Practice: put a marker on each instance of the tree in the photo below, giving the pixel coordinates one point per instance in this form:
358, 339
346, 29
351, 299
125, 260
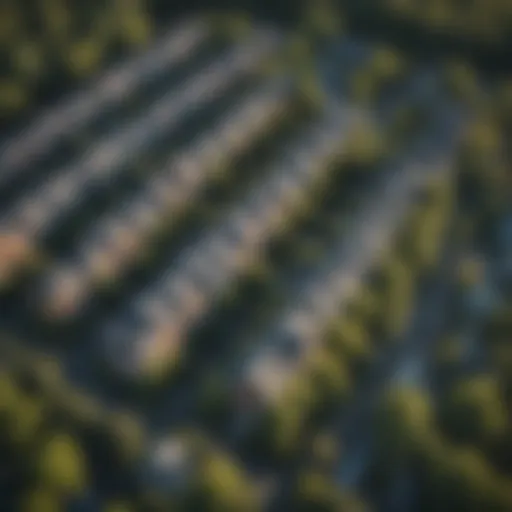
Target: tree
462, 82
235, 25
117, 506
498, 326
504, 102
126, 436
62, 465
364, 307
56, 21
387, 65
349, 340
322, 19
366, 145
83, 57
407, 120
501, 357
289, 419
135, 26
28, 59
220, 486
363, 87
471, 272
81, 411
331, 379
423, 243
310, 251
9, 396
26, 421
285, 433
470, 277
14, 97
449, 357
315, 492
299, 52
41, 376
474, 410
439, 15
405, 421
310, 88
462, 480
398, 293
484, 180
482, 139
350, 502
325, 451
214, 400
41, 500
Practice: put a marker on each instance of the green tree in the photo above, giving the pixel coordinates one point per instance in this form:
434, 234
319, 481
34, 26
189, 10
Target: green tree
501, 454
387, 65
62, 465
28, 59
126, 436
449, 357
398, 294
83, 57
474, 410
366, 145
461, 479
287, 431
322, 19
504, 102
283, 424
26, 421
325, 451
425, 232
236, 25
501, 357
364, 307
462, 82
81, 411
299, 52
56, 20
117, 506
405, 421
423, 243
214, 400
349, 340
498, 326
310, 88
350, 502
41, 500
330, 377
407, 120
40, 376
363, 87
9, 396
482, 139
310, 251
14, 96
315, 492
135, 26
471, 272
221, 485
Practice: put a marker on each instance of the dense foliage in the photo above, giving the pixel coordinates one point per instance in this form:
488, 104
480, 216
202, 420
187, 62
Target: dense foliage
230, 290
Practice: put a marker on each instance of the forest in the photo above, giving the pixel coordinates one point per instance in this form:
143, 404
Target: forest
256, 256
